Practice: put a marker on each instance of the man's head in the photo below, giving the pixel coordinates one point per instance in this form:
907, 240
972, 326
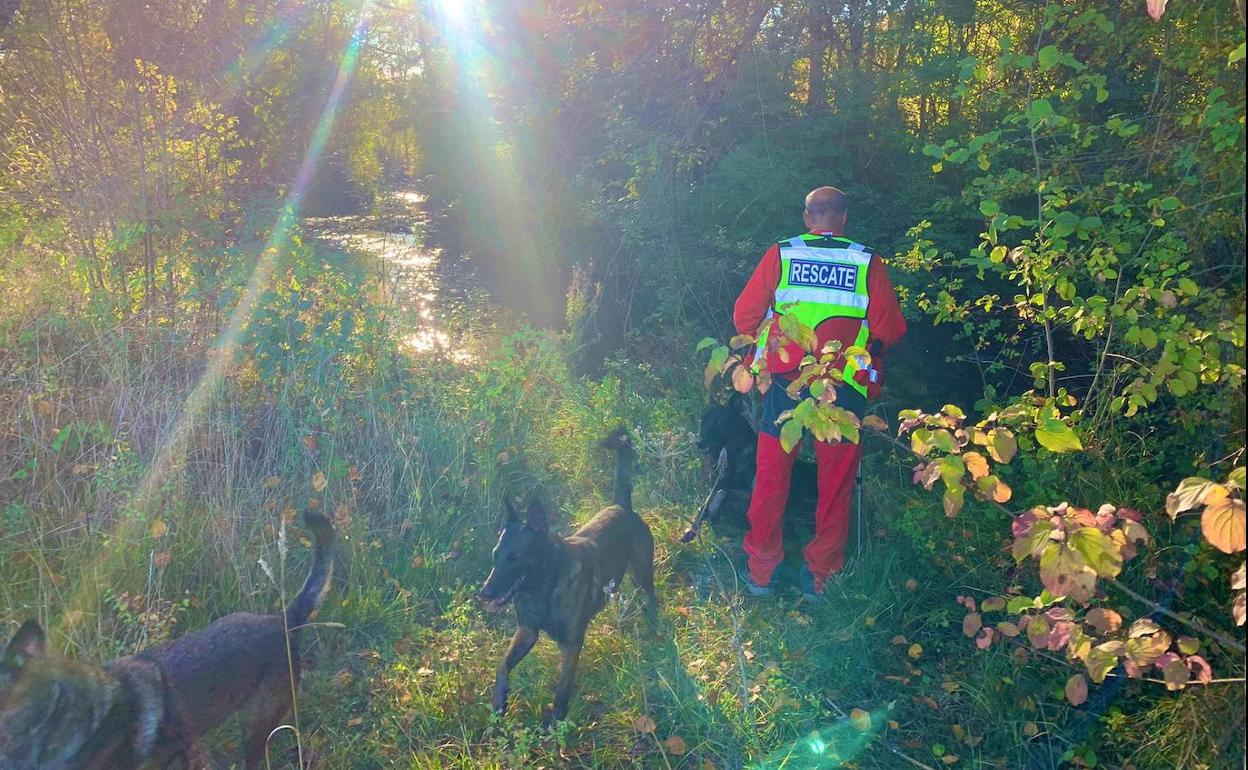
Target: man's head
826, 209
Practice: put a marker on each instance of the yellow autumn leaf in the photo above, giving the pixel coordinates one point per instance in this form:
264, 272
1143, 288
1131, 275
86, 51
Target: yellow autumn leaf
158, 529
915, 651
319, 482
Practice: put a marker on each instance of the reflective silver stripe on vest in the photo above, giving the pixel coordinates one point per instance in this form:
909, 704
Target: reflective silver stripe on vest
822, 296
852, 256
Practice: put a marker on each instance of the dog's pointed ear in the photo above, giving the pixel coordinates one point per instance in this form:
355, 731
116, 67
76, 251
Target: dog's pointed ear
510, 515
29, 642
536, 517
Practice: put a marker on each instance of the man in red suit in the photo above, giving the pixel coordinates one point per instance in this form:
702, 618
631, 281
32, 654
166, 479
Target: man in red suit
842, 290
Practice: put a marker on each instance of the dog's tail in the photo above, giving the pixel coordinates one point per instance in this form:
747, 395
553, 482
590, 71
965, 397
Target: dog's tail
621, 443
305, 605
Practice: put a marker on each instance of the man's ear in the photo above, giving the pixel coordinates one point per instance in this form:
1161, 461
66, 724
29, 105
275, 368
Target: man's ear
536, 516
29, 642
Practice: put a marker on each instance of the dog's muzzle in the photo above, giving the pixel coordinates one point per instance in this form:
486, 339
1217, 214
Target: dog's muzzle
496, 604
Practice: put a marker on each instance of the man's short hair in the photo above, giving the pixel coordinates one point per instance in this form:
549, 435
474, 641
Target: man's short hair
822, 201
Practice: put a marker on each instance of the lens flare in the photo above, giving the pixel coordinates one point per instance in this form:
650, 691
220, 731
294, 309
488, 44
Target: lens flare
169, 456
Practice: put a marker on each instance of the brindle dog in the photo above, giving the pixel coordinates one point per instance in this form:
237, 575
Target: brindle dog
150, 709
558, 584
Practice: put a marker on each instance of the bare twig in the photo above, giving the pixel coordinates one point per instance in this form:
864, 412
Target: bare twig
1193, 623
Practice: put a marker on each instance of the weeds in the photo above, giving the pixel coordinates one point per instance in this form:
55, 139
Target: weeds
411, 457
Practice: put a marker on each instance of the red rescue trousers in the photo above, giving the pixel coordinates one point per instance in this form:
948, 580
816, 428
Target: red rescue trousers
825, 554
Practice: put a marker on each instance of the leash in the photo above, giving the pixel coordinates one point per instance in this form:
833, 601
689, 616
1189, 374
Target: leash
695, 527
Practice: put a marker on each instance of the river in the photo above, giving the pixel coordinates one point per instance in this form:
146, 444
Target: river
443, 311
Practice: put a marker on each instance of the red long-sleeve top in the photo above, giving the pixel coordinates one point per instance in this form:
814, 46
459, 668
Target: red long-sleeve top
885, 322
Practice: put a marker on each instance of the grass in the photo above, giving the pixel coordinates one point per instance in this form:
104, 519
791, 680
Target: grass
412, 457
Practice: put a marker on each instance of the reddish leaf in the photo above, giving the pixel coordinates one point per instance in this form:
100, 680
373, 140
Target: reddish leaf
763, 381
1059, 635
1200, 669
983, 640
1103, 620
993, 604
1060, 565
1175, 672
742, 380
971, 624
1077, 690
1156, 8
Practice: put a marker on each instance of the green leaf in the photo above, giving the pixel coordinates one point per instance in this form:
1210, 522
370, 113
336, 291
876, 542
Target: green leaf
1065, 223
719, 357
952, 469
1189, 494
790, 434
943, 440
1031, 543
1168, 203
1056, 436
1100, 552
1020, 604
1188, 287
1048, 57
1236, 55
989, 208
1038, 110
1237, 477
705, 343
1002, 445
1148, 338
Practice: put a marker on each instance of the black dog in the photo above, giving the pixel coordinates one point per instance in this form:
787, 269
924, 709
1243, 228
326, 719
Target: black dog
558, 584
725, 432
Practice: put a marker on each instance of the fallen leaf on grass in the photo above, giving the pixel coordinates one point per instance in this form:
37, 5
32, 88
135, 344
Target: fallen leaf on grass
676, 745
860, 719
644, 725
915, 651
1076, 690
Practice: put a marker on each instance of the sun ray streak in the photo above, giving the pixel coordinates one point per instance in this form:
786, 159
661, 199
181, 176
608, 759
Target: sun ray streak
172, 451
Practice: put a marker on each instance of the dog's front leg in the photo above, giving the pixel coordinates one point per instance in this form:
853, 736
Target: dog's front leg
521, 643
567, 679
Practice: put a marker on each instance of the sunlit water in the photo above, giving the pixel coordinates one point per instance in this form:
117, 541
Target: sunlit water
441, 311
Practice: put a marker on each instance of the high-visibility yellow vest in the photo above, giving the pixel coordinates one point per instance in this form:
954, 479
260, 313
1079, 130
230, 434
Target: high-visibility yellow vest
822, 277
